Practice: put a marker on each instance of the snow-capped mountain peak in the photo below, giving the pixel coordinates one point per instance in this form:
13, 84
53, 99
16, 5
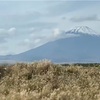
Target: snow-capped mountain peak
82, 30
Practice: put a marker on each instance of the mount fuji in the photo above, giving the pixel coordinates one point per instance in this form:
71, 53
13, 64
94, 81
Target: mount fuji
83, 47
83, 30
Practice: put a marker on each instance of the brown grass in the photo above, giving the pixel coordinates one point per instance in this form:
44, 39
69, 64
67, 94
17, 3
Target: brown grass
47, 81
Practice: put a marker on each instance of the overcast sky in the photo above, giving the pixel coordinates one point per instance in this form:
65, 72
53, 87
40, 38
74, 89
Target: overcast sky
27, 24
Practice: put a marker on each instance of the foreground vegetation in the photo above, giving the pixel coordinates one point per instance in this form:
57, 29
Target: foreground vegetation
47, 81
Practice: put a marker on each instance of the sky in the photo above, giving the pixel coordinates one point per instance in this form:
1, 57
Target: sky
28, 24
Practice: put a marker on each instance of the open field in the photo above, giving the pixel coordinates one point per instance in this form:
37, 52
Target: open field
47, 81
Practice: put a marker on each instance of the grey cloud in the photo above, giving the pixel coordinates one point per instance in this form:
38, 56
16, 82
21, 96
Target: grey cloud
4, 50
40, 25
85, 18
27, 24
64, 7
2, 40
57, 9
5, 34
29, 43
28, 15
18, 19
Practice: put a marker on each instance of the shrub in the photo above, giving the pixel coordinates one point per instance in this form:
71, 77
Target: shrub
44, 80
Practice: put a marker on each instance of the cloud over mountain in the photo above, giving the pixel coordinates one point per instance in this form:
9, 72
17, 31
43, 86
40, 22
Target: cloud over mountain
85, 18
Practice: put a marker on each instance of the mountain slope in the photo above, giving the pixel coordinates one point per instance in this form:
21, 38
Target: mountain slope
84, 48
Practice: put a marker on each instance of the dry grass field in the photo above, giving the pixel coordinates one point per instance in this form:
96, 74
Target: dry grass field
47, 81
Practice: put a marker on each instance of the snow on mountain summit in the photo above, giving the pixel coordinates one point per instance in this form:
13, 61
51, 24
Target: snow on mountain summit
82, 30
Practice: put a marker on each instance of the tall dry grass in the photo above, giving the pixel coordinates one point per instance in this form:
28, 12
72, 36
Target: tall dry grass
47, 81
